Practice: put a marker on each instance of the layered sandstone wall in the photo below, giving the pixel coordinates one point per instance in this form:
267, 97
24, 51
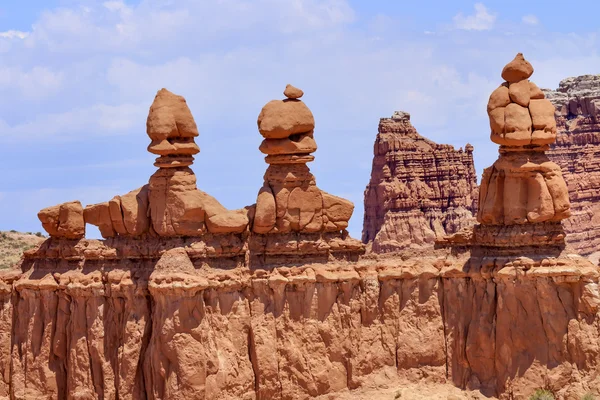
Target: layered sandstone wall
83, 321
577, 102
419, 190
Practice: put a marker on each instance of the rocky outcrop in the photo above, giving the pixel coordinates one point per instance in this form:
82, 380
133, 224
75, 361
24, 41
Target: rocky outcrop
290, 200
174, 304
523, 186
161, 320
419, 190
577, 102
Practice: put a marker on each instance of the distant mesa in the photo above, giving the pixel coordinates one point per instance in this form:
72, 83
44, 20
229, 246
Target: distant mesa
419, 190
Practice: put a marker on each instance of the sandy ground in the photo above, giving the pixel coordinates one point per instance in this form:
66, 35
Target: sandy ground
13, 244
421, 391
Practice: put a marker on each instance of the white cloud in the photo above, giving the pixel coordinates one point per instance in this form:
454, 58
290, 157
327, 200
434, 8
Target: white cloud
37, 83
12, 34
482, 20
77, 123
530, 19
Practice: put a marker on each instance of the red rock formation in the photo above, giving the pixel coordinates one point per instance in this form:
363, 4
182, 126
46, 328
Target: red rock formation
419, 190
577, 102
523, 186
290, 200
160, 319
291, 313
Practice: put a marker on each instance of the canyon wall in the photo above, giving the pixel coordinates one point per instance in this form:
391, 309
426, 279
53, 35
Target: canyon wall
577, 151
419, 190
121, 319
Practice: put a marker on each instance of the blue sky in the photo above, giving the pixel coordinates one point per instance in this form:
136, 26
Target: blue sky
77, 79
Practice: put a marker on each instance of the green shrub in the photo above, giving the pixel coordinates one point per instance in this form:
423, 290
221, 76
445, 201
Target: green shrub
542, 394
39, 234
13, 231
588, 396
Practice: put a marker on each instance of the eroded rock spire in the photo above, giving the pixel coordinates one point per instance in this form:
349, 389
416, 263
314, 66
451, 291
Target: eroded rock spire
523, 186
290, 201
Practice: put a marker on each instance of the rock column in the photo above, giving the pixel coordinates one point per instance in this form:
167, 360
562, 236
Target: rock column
523, 186
290, 201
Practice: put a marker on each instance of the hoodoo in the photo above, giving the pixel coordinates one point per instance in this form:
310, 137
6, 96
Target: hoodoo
523, 186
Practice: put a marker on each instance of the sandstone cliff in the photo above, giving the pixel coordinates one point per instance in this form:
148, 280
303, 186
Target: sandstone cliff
126, 319
577, 102
419, 190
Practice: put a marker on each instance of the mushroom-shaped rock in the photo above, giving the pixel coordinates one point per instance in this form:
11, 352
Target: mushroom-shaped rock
523, 186
517, 70
64, 220
279, 119
172, 128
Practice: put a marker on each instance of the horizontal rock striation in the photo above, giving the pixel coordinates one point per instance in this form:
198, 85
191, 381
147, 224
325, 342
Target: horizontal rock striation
172, 324
419, 190
577, 102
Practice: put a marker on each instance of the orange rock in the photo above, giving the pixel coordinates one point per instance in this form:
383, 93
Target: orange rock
99, 215
134, 207
542, 115
292, 92
116, 215
281, 118
519, 93
535, 92
337, 210
234, 221
304, 207
517, 70
517, 125
172, 128
539, 201
298, 144
64, 220
266, 212
496, 117
499, 98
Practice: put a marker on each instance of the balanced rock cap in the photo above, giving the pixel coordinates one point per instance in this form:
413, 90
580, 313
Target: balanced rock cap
292, 92
517, 70
170, 116
279, 119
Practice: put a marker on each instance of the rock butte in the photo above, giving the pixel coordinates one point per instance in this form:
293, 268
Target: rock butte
180, 304
419, 190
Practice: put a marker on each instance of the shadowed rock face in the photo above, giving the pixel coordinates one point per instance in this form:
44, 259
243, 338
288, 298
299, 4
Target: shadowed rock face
419, 190
577, 102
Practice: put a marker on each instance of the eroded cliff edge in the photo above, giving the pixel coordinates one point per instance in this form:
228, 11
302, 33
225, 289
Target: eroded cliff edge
97, 321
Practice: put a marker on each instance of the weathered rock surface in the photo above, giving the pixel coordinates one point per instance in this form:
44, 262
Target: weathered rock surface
577, 102
64, 220
419, 190
523, 186
163, 320
519, 114
290, 200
